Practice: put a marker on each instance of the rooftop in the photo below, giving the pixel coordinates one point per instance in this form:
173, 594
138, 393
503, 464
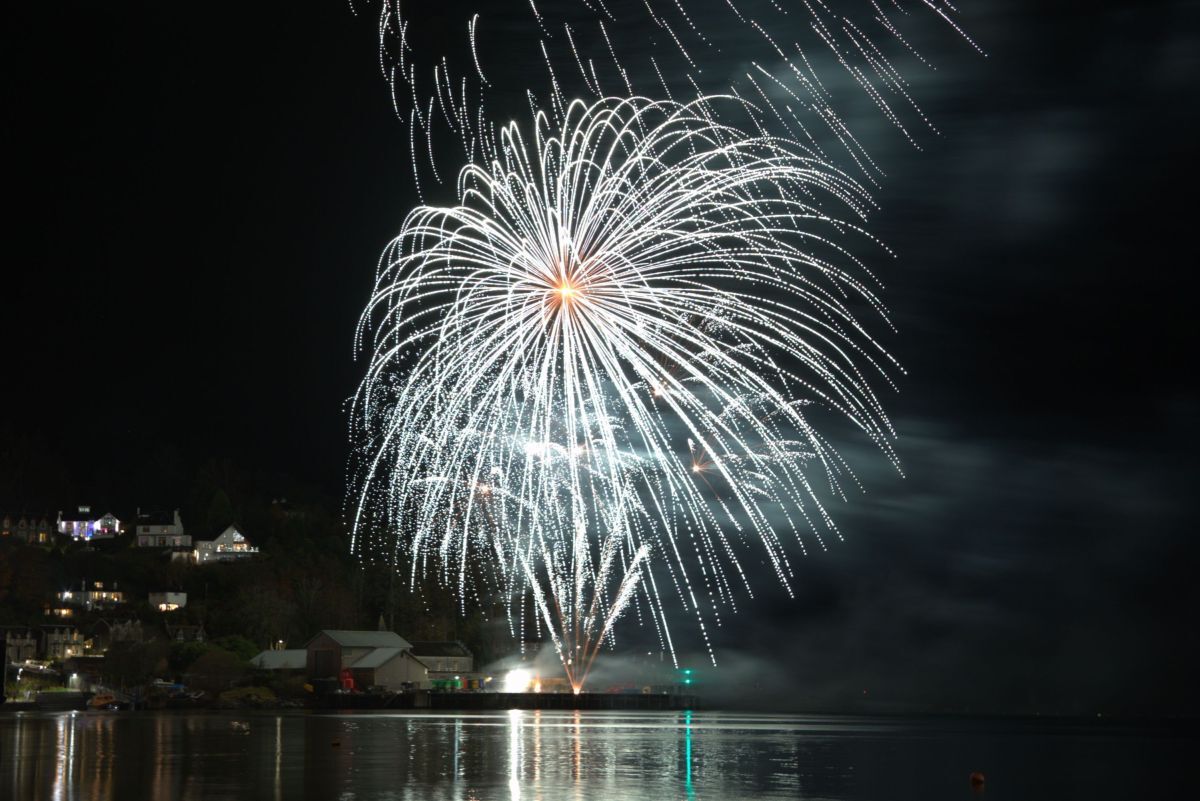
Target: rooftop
83, 514
440, 648
156, 518
365, 639
378, 658
291, 659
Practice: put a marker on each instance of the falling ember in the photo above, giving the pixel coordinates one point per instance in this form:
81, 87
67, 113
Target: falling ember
790, 66
660, 433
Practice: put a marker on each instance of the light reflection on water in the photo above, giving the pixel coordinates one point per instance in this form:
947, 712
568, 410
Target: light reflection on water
549, 756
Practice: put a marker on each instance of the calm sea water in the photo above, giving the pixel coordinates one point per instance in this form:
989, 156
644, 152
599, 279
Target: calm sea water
592, 755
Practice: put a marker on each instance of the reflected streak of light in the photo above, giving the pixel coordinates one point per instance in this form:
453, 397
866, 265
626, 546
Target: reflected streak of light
64, 753
577, 748
687, 753
278, 759
514, 753
457, 771
537, 747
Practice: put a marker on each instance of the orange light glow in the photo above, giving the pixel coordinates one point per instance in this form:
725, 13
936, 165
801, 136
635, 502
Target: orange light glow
566, 290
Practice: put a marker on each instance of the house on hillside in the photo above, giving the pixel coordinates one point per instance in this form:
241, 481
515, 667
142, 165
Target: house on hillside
83, 524
20, 645
370, 658
164, 530
30, 529
185, 633
226, 547
62, 642
167, 601
106, 633
91, 595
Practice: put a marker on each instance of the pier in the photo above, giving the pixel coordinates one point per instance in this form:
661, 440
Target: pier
423, 699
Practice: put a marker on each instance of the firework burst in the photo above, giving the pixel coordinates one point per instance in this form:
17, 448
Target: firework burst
596, 380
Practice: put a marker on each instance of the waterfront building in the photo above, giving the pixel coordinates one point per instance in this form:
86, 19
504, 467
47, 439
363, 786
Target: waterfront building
287, 661
448, 657
370, 658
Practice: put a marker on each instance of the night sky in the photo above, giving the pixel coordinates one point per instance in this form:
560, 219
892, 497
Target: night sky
198, 196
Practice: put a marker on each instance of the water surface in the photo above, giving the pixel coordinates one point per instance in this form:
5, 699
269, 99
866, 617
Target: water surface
531, 756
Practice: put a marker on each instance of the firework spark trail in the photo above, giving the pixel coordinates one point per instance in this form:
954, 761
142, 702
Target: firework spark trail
619, 332
862, 39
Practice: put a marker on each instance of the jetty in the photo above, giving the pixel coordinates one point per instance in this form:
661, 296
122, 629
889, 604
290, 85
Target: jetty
463, 702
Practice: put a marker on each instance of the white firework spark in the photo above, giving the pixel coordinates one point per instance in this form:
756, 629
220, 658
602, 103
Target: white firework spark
793, 60
592, 382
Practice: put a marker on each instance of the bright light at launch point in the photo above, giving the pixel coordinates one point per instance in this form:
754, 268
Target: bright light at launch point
517, 681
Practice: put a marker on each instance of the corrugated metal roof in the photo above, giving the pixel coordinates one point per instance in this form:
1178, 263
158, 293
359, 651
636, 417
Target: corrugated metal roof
441, 648
366, 639
155, 518
291, 659
378, 658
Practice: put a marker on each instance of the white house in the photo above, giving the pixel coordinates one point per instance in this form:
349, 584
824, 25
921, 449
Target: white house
161, 530
226, 547
168, 601
83, 524
20, 646
96, 596
62, 643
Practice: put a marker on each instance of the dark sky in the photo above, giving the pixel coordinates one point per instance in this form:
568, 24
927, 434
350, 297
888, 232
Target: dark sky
198, 195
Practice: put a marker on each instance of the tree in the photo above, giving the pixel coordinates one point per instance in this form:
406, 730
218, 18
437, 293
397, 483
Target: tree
216, 671
185, 654
265, 609
128, 664
220, 513
25, 578
238, 645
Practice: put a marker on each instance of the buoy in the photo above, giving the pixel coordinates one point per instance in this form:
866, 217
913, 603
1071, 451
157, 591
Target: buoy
977, 779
